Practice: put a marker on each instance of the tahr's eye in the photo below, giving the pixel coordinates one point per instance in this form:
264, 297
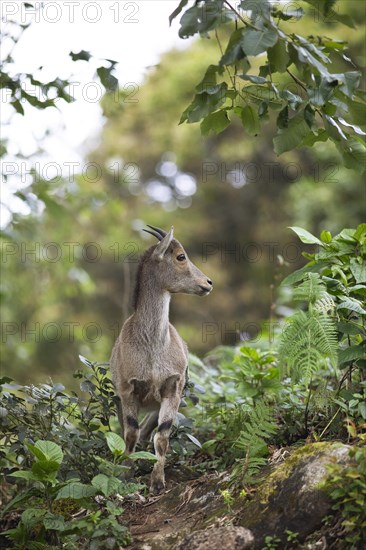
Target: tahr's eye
181, 257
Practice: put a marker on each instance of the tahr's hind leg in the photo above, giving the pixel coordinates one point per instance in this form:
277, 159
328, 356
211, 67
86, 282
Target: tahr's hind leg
119, 413
131, 430
147, 426
168, 411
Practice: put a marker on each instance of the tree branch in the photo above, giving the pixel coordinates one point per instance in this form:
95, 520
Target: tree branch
299, 82
246, 23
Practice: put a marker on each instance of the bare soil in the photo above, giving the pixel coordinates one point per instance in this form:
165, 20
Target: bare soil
187, 504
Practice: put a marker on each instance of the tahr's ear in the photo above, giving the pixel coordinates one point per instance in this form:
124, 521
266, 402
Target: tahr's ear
163, 246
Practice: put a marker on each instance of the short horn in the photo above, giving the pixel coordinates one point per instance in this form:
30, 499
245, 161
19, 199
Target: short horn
158, 230
154, 233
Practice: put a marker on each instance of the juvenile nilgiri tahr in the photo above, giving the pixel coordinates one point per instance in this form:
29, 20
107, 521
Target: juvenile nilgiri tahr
149, 359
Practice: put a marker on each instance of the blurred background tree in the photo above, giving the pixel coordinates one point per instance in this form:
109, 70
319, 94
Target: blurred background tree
229, 197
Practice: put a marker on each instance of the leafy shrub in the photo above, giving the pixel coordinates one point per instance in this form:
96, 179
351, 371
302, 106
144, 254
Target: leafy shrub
312, 378
333, 329
334, 281
347, 490
64, 458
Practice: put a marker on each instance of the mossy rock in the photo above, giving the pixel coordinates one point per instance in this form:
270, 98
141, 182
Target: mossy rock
292, 498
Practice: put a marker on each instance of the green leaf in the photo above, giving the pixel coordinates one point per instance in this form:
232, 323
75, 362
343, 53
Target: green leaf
87, 386
305, 236
358, 289
45, 469
189, 22
278, 56
352, 305
86, 361
313, 138
177, 10
115, 443
250, 120
349, 82
291, 137
17, 106
282, 119
255, 79
76, 491
349, 328
326, 237
360, 232
302, 56
202, 18
259, 8
320, 94
35, 102
262, 94
255, 42
328, 4
250, 352
299, 274
25, 474
50, 450
54, 522
334, 130
351, 354
294, 101
32, 516
143, 455
110, 469
109, 81
344, 18
107, 485
296, 13
358, 269
209, 81
7, 380
358, 112
36, 451
82, 55
355, 128
20, 497
205, 103
332, 15
353, 151
234, 51
215, 123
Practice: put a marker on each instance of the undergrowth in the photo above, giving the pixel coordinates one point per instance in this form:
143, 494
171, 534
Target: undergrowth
62, 462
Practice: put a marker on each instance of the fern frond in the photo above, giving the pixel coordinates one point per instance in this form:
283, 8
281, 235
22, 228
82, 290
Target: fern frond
325, 305
259, 427
324, 332
310, 290
306, 342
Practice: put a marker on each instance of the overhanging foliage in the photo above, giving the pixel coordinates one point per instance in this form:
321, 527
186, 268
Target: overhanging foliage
326, 104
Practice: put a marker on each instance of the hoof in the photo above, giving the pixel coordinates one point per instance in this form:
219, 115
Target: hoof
157, 487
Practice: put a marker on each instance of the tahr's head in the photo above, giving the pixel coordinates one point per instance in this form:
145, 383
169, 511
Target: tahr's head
172, 268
